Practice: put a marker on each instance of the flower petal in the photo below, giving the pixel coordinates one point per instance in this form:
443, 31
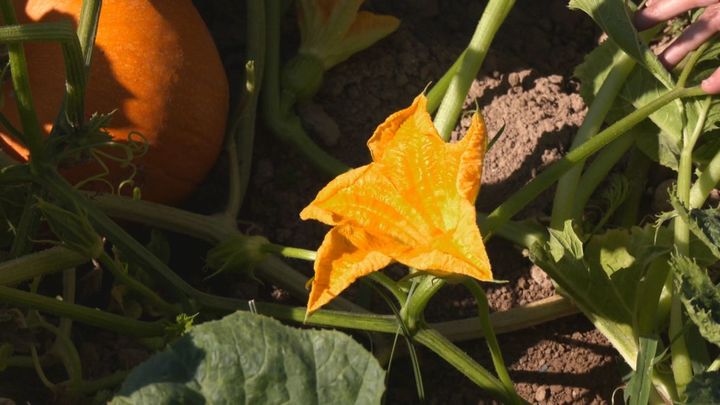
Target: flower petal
386, 131
340, 262
316, 210
460, 252
473, 146
366, 29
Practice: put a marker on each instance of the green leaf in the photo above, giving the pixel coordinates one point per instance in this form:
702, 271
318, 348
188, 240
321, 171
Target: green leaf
704, 225
614, 18
592, 290
252, 359
640, 384
699, 296
595, 68
659, 137
565, 241
704, 389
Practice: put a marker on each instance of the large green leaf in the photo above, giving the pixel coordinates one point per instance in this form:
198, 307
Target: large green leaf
614, 18
590, 287
658, 137
252, 359
699, 295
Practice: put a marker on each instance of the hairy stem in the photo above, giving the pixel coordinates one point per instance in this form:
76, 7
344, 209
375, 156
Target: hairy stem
451, 105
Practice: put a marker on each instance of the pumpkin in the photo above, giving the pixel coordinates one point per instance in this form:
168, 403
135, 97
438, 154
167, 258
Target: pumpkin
156, 64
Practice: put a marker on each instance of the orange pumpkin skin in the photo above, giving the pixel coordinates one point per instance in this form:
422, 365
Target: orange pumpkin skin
155, 62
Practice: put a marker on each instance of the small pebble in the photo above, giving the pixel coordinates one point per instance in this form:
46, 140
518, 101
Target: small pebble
541, 394
514, 79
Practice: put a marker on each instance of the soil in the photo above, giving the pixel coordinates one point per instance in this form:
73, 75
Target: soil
526, 86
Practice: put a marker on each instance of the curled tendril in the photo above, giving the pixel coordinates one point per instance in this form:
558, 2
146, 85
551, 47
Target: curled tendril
135, 147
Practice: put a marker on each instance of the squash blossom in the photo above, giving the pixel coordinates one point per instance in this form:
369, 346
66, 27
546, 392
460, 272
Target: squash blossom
414, 204
330, 32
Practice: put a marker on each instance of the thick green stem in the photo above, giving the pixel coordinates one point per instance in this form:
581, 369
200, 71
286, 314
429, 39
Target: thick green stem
436, 93
434, 341
87, 29
708, 179
564, 203
598, 170
525, 195
64, 33
44, 262
122, 277
681, 362
511, 320
241, 137
32, 133
451, 106
90, 316
412, 310
524, 234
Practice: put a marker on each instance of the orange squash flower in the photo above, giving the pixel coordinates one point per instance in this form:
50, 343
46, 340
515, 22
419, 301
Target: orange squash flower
414, 204
333, 30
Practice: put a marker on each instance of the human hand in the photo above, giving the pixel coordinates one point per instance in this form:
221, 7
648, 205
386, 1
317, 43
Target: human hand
707, 25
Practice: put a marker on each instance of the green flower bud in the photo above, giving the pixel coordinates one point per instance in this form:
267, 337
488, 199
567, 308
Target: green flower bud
302, 76
239, 253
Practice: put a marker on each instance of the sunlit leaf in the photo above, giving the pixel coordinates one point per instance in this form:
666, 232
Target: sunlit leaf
613, 17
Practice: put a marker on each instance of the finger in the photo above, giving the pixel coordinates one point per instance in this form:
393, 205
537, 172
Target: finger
657, 11
711, 85
695, 35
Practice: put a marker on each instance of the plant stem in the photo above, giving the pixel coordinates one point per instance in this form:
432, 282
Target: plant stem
707, 180
434, 96
681, 362
413, 309
213, 229
525, 195
291, 252
564, 204
524, 234
598, 170
511, 320
90, 316
122, 277
47, 261
32, 133
279, 118
490, 338
241, 137
451, 105
434, 341
87, 29
63, 33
